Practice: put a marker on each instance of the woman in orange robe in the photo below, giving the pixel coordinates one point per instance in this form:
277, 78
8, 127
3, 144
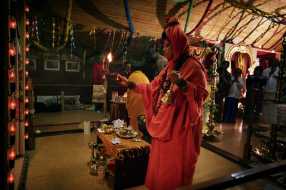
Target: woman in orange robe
173, 106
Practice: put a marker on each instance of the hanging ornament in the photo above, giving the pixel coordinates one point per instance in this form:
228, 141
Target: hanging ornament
72, 43
36, 29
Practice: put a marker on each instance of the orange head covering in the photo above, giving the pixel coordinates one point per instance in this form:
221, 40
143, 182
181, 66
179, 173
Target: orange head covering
179, 40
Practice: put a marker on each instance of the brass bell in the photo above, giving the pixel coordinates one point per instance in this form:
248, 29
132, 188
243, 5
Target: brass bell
167, 98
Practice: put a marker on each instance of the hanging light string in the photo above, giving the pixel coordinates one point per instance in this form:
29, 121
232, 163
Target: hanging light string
113, 37
37, 30
92, 36
12, 101
118, 41
124, 49
58, 34
66, 34
27, 83
107, 41
72, 41
53, 33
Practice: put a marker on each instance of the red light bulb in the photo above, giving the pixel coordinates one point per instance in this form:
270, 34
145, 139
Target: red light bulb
26, 100
27, 35
26, 87
27, 61
27, 49
12, 24
27, 9
26, 112
12, 129
11, 177
26, 124
26, 136
12, 104
27, 22
27, 73
12, 52
11, 154
11, 75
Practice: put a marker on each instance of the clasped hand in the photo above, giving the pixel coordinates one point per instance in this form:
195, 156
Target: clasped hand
174, 76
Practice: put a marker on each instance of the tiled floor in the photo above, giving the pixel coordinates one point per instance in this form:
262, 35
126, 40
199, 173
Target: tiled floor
60, 162
233, 138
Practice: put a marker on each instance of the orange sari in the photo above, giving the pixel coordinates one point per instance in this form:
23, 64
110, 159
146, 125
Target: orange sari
176, 128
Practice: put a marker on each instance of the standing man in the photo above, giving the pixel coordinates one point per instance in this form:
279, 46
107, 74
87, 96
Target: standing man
223, 87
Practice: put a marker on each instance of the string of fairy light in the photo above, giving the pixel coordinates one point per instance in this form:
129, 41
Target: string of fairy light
15, 98
12, 101
26, 99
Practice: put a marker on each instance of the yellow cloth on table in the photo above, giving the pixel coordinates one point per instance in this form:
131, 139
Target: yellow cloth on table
134, 102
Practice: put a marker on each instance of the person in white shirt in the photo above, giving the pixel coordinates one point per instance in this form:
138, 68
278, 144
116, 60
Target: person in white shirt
234, 94
271, 74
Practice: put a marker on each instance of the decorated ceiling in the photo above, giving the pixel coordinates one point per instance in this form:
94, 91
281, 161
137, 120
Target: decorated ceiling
259, 23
